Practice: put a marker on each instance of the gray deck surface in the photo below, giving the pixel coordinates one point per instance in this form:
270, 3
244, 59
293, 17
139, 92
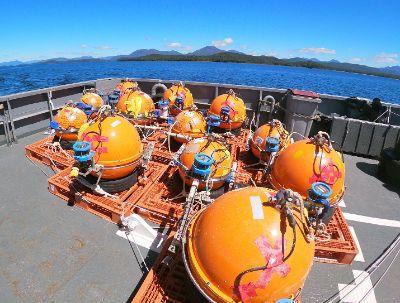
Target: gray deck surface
50, 252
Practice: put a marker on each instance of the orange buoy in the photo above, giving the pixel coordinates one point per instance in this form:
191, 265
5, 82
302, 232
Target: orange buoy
137, 105
219, 158
92, 99
308, 161
117, 146
68, 121
231, 110
126, 85
179, 97
190, 124
258, 143
234, 249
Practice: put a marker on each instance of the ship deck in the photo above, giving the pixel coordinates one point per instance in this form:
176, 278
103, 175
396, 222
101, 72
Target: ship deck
51, 252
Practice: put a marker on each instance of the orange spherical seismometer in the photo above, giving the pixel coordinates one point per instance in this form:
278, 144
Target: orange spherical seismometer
190, 124
137, 105
92, 99
219, 162
308, 161
179, 97
126, 85
234, 249
258, 142
117, 146
231, 110
68, 121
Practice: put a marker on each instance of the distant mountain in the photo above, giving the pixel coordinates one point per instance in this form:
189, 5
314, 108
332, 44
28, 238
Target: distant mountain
392, 69
214, 54
152, 51
235, 52
206, 51
11, 63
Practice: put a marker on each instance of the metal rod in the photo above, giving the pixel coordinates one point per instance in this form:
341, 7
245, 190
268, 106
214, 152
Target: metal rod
10, 116
50, 104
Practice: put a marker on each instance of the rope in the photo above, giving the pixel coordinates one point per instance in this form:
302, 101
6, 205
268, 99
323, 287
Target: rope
380, 278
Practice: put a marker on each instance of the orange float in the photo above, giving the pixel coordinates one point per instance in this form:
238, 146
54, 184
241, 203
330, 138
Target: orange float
68, 121
126, 85
259, 143
218, 155
116, 144
234, 249
308, 161
179, 97
92, 99
231, 110
137, 105
190, 124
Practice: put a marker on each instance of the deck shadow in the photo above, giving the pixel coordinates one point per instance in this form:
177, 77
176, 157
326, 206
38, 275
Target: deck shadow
372, 170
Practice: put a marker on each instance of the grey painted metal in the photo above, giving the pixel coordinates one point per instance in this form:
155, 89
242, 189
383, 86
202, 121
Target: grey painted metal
365, 138
299, 114
352, 133
378, 139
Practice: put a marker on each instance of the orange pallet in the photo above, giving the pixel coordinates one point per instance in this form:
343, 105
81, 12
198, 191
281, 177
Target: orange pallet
341, 248
156, 203
167, 283
43, 152
107, 208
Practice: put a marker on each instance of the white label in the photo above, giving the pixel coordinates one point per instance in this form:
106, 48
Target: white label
257, 208
115, 123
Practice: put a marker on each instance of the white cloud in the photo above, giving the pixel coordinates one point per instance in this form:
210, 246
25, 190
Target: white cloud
222, 43
386, 58
253, 53
84, 45
317, 50
177, 45
105, 47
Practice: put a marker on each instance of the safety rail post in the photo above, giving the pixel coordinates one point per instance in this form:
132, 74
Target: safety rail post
11, 120
50, 104
5, 124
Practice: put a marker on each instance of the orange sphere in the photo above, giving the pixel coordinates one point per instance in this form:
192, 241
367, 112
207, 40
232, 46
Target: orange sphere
239, 232
136, 104
178, 91
92, 99
117, 145
220, 169
69, 119
126, 85
271, 129
230, 108
302, 163
189, 123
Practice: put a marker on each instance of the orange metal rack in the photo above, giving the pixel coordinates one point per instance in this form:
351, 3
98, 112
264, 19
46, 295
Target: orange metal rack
42, 151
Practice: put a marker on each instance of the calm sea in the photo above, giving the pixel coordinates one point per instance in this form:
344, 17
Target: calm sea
29, 77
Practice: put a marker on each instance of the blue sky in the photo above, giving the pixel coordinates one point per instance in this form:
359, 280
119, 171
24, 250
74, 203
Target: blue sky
359, 31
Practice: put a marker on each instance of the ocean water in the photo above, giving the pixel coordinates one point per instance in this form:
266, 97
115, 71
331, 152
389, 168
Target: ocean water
23, 78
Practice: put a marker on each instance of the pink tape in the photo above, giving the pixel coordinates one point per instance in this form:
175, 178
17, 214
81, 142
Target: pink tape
274, 258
